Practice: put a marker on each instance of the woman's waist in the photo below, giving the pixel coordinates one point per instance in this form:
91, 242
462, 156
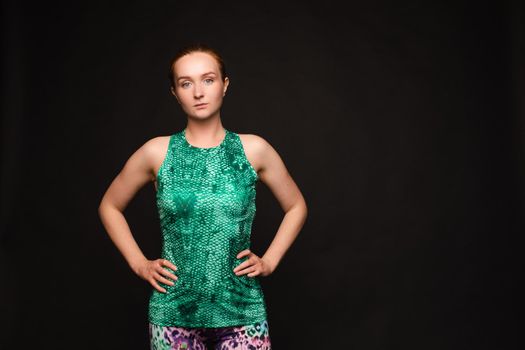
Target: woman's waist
201, 284
214, 255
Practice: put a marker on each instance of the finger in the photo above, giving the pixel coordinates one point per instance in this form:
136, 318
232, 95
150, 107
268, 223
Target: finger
158, 277
253, 274
243, 265
157, 287
246, 270
166, 273
243, 253
169, 264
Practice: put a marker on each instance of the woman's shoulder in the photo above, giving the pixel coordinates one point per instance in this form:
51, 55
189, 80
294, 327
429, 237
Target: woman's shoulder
257, 149
155, 150
255, 144
157, 143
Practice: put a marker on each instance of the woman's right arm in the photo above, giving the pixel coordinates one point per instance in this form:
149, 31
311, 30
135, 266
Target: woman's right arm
137, 172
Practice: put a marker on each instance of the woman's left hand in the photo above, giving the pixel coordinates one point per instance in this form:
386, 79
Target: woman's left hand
253, 266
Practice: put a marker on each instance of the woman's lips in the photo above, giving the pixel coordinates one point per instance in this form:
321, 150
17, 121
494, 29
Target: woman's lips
201, 105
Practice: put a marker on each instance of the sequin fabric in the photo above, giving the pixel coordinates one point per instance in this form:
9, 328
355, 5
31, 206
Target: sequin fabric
206, 205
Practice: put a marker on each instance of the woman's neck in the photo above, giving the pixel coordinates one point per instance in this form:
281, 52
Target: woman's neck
204, 134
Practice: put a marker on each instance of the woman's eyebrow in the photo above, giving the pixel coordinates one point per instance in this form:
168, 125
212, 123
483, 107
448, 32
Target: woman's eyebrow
185, 77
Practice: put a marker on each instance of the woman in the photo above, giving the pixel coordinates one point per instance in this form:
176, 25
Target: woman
206, 288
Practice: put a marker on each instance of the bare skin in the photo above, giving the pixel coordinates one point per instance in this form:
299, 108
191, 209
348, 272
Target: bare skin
204, 129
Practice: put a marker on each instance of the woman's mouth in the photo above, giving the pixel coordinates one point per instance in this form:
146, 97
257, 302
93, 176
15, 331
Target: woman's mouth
201, 105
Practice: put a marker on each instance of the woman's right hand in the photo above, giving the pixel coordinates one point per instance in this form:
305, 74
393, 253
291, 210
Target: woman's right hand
153, 271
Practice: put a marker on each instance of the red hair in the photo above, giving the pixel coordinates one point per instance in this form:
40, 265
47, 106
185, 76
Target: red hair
196, 47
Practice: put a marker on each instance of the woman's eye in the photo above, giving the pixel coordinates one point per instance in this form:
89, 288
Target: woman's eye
208, 81
185, 84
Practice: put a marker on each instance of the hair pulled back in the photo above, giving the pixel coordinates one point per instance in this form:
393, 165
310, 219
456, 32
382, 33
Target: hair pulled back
196, 47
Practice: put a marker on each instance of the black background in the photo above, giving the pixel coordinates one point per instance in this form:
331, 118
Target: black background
401, 122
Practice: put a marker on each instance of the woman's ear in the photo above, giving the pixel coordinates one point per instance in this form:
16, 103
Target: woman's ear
226, 83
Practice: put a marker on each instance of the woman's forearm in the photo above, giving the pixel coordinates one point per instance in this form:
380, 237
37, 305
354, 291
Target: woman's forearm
120, 233
288, 231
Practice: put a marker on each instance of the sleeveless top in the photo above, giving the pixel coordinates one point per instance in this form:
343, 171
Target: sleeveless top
206, 205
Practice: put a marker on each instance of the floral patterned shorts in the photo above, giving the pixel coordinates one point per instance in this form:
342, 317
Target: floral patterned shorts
249, 337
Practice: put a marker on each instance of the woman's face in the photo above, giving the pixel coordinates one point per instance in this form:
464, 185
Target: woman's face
199, 88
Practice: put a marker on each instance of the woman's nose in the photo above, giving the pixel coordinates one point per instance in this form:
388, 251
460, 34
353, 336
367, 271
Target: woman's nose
198, 91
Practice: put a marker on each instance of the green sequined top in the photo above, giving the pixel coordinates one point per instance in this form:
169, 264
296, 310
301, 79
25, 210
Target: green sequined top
206, 205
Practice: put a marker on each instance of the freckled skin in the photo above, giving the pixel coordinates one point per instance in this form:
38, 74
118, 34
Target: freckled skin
196, 88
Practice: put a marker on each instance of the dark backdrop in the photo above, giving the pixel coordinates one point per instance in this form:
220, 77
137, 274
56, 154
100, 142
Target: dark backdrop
401, 122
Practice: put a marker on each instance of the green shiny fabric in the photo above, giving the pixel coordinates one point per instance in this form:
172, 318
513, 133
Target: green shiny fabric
206, 206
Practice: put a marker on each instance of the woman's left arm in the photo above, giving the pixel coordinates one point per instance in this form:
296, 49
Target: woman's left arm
273, 172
